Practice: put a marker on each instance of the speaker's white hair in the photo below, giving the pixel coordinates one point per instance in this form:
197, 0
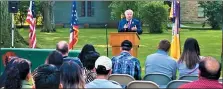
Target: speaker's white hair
127, 11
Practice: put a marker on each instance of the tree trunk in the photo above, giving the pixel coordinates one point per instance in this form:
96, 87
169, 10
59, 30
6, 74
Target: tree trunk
48, 22
5, 29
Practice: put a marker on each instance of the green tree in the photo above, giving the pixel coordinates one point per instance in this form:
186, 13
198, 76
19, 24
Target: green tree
5, 28
154, 14
212, 10
119, 7
20, 17
22, 13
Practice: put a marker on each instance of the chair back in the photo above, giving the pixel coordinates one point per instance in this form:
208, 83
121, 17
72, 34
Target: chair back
115, 82
158, 78
190, 77
176, 83
142, 84
220, 80
122, 79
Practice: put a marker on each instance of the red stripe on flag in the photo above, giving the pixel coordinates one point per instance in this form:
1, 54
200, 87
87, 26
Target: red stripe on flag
74, 37
32, 30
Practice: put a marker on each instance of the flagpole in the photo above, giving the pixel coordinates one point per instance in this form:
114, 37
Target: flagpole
12, 46
179, 26
106, 37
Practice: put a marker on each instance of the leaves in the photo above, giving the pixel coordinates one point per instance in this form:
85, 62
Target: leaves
119, 7
212, 10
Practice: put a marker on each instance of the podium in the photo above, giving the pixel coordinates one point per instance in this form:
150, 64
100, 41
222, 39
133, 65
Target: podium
115, 40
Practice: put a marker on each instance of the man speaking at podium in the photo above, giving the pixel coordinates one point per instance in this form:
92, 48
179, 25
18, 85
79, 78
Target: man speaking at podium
129, 24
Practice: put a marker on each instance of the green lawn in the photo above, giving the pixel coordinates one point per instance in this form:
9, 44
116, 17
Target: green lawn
209, 40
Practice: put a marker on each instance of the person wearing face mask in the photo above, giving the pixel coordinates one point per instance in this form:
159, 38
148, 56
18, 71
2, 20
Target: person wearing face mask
129, 24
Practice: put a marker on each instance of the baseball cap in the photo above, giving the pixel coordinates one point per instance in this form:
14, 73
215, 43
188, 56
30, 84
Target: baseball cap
126, 43
104, 61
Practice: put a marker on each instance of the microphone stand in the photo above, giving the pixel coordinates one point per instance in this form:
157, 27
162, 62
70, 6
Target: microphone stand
106, 29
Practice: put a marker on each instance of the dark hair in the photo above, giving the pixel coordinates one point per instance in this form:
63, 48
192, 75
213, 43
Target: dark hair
164, 45
64, 49
126, 45
46, 76
55, 58
71, 75
207, 74
191, 53
85, 50
101, 70
4, 74
89, 59
13, 81
23, 67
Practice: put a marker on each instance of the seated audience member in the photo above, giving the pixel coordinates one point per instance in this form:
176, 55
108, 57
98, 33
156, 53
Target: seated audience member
88, 64
189, 61
103, 67
85, 50
125, 63
62, 47
46, 76
17, 74
55, 58
160, 62
71, 76
7, 59
209, 73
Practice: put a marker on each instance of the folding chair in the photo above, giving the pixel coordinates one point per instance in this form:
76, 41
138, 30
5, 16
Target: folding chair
220, 80
176, 83
142, 84
161, 79
189, 77
122, 79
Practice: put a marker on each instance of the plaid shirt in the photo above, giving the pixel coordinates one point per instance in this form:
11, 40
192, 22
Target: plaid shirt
126, 64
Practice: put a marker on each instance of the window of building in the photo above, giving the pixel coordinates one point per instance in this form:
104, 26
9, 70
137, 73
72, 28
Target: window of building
82, 9
200, 12
90, 8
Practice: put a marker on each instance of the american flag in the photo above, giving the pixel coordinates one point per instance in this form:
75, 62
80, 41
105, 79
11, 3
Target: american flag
31, 19
73, 27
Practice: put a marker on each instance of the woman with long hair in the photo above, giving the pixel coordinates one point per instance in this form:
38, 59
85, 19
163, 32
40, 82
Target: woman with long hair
85, 50
71, 76
189, 61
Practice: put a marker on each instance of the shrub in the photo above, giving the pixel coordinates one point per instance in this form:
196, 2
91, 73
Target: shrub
213, 12
155, 15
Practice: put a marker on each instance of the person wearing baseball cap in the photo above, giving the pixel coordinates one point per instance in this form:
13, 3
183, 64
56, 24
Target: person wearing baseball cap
125, 63
103, 68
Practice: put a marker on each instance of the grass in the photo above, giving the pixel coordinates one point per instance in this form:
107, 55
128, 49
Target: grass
210, 41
